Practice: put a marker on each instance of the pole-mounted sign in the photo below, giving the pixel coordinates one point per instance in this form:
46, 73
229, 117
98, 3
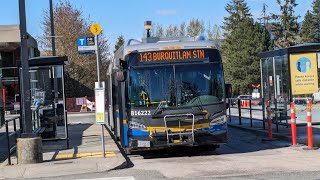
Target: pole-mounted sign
99, 89
86, 45
95, 29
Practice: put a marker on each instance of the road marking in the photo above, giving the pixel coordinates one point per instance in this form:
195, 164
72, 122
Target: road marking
113, 178
81, 155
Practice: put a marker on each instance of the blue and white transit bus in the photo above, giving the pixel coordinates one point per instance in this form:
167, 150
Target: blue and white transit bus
167, 92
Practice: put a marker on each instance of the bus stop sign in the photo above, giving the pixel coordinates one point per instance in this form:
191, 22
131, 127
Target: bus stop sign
86, 45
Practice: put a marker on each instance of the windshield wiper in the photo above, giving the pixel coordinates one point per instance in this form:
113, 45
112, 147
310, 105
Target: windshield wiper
159, 107
199, 105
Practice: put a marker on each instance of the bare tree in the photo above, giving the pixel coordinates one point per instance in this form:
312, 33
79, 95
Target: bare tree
81, 69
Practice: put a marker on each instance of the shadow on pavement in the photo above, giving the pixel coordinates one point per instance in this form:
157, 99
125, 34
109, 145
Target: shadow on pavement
239, 141
128, 163
75, 139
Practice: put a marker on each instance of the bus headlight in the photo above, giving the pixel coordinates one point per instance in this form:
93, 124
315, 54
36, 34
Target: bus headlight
218, 121
136, 125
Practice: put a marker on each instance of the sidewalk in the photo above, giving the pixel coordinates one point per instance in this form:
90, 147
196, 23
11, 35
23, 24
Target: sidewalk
83, 156
284, 132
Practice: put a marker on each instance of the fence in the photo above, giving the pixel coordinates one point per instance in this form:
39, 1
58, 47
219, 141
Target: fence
279, 111
246, 105
16, 133
73, 106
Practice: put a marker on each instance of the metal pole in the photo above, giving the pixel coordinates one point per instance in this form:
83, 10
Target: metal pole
99, 86
250, 112
230, 110
102, 137
53, 42
239, 111
263, 114
97, 58
318, 22
25, 80
8, 143
148, 33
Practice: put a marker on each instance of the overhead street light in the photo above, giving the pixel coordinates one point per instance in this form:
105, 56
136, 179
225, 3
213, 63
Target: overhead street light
148, 27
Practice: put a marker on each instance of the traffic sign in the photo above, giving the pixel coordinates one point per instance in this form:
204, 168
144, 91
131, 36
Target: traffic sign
95, 29
86, 45
100, 103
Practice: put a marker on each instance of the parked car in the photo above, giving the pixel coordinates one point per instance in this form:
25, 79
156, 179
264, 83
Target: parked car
248, 97
316, 97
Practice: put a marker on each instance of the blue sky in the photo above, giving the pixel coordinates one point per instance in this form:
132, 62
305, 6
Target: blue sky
126, 17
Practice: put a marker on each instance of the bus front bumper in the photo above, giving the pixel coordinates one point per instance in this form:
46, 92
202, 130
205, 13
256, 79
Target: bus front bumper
160, 141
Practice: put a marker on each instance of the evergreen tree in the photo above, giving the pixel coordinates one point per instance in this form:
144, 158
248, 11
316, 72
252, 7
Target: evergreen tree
182, 30
214, 34
209, 31
237, 10
159, 31
172, 31
195, 27
316, 19
308, 32
119, 43
285, 27
240, 50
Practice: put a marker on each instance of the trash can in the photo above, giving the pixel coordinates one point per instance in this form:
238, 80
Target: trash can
48, 121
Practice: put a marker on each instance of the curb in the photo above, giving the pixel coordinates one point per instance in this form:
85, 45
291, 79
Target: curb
261, 132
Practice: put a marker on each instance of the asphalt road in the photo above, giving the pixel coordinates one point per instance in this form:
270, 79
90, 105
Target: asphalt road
245, 156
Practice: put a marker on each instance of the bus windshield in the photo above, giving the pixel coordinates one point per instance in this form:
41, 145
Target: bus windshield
176, 85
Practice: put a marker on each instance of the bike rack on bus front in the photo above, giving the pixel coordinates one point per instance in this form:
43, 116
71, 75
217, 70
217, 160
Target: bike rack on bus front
180, 133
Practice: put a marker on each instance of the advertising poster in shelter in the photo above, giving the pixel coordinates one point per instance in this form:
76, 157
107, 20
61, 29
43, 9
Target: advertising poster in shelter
304, 74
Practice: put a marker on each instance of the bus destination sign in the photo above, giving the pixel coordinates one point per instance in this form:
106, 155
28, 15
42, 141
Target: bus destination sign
173, 55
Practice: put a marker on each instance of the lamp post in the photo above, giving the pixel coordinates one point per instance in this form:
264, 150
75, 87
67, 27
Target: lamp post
53, 42
148, 27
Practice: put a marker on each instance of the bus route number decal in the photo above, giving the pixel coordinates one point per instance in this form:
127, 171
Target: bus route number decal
140, 113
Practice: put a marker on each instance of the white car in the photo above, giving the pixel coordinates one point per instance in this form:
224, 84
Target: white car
316, 96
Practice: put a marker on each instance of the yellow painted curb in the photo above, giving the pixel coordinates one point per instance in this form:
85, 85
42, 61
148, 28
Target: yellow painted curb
81, 155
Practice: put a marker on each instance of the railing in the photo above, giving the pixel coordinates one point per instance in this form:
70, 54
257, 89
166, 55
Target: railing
248, 106
15, 133
278, 111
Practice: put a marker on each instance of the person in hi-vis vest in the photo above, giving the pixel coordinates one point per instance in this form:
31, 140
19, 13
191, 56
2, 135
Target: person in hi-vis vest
144, 95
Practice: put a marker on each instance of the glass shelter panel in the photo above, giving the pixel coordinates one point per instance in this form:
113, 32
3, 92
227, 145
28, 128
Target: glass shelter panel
267, 78
275, 81
48, 105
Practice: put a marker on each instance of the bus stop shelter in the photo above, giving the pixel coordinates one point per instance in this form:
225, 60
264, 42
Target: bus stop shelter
48, 97
291, 74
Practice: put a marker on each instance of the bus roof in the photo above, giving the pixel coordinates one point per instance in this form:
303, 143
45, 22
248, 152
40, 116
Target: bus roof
158, 44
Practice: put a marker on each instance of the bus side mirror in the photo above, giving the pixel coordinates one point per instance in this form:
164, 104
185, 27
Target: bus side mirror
228, 90
123, 65
121, 74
